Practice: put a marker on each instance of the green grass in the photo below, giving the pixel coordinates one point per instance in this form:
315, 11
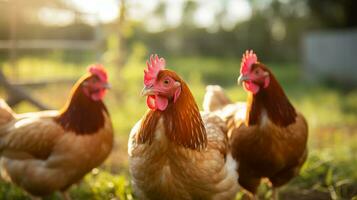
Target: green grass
329, 173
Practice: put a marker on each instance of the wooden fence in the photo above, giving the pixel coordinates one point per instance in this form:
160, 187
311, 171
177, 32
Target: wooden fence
16, 91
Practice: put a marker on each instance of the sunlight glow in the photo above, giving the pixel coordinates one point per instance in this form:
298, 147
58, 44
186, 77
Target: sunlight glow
231, 13
234, 12
239, 10
58, 17
107, 10
140, 10
173, 13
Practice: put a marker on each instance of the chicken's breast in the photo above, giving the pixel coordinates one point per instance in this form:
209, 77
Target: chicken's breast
278, 152
165, 170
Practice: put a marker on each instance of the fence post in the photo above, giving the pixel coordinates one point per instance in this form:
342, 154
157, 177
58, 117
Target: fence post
13, 36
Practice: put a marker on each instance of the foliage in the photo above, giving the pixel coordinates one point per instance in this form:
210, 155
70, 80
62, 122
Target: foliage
275, 28
335, 13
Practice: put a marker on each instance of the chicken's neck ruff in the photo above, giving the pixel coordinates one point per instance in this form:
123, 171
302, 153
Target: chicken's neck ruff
81, 114
182, 121
273, 100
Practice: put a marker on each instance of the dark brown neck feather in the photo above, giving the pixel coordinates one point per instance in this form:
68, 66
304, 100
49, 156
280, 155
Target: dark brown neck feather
182, 121
81, 114
274, 101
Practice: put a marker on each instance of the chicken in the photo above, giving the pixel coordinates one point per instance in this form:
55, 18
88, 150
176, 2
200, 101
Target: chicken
268, 136
215, 98
6, 114
48, 151
217, 102
174, 151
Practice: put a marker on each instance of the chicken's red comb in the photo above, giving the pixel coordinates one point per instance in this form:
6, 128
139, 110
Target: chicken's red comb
153, 67
249, 58
98, 70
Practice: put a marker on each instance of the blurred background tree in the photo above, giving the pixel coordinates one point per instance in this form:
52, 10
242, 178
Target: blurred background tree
335, 13
33, 20
216, 28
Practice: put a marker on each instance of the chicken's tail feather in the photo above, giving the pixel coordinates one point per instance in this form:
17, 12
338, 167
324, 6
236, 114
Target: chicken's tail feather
6, 113
215, 98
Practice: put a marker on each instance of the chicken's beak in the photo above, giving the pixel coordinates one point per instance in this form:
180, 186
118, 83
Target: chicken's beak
242, 78
148, 90
107, 86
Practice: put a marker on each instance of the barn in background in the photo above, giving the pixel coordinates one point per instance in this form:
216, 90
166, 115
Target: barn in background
331, 55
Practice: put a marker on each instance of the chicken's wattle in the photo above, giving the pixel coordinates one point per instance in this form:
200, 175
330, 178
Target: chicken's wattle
251, 87
99, 95
157, 102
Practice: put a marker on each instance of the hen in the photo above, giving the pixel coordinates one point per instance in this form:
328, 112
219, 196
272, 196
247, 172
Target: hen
267, 135
175, 152
44, 152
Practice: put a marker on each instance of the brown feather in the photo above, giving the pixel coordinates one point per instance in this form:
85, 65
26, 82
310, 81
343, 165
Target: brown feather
43, 152
275, 149
81, 114
272, 151
182, 120
273, 100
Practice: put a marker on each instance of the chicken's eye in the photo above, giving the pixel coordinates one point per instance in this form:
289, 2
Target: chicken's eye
166, 81
96, 80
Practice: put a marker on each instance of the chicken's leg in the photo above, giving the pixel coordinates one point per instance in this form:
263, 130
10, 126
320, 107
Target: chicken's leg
35, 198
65, 195
250, 196
275, 195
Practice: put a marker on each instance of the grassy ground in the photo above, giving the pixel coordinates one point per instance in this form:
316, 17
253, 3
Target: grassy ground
329, 173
